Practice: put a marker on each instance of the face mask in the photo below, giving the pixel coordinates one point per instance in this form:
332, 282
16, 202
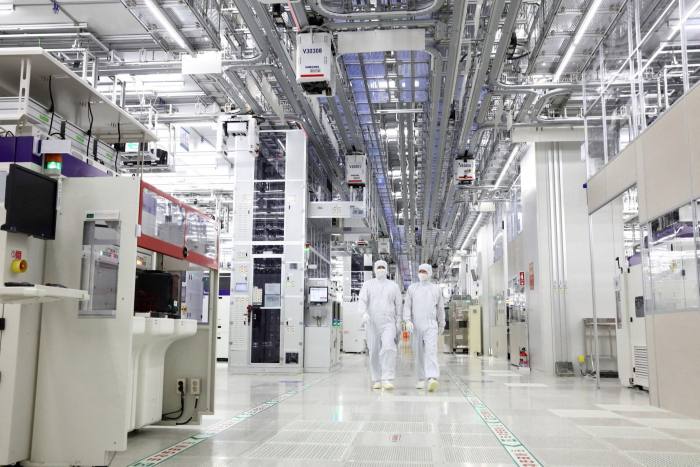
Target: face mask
423, 276
381, 273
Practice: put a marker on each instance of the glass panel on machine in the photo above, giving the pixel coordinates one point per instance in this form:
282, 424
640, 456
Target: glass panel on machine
100, 268
673, 262
268, 212
270, 163
162, 218
201, 235
267, 301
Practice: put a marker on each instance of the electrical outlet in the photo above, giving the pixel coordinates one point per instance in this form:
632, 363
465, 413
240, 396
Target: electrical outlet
181, 386
195, 386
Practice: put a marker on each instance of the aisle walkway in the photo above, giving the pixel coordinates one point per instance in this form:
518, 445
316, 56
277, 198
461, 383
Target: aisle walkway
483, 414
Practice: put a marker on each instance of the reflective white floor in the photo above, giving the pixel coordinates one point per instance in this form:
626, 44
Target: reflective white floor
338, 420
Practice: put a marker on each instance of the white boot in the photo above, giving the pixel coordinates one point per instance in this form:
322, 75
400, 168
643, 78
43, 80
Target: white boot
377, 385
388, 385
432, 385
420, 384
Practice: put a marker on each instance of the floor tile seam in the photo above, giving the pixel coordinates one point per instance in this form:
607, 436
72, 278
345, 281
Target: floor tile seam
659, 430
221, 426
517, 450
618, 450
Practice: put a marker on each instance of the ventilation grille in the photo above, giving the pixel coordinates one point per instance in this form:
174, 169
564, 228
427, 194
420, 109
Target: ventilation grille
641, 362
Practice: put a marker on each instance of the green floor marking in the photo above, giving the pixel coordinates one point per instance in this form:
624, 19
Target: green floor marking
513, 446
211, 431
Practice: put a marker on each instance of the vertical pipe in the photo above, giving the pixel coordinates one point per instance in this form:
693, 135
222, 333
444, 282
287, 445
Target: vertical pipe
602, 105
504, 239
404, 177
633, 93
587, 155
593, 295
554, 253
564, 264
122, 100
95, 72
666, 88
556, 153
85, 65
412, 184
684, 46
640, 85
114, 90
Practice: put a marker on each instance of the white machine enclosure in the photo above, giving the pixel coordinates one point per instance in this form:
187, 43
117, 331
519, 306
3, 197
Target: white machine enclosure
354, 335
20, 343
86, 369
632, 351
291, 286
223, 327
80, 424
315, 66
356, 169
499, 332
322, 330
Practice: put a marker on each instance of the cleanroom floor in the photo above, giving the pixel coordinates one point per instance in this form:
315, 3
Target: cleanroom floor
483, 414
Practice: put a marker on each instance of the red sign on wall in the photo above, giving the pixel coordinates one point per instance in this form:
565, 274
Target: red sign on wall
531, 273
522, 279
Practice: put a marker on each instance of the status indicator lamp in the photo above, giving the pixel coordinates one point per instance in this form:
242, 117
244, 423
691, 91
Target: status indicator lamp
53, 164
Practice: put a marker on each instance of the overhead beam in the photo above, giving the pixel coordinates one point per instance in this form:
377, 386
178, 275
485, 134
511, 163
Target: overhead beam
380, 40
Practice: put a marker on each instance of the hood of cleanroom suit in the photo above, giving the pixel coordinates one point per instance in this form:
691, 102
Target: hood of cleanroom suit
381, 299
427, 268
378, 263
424, 305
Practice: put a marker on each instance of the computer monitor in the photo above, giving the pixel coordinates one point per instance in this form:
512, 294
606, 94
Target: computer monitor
132, 147
30, 202
157, 293
318, 294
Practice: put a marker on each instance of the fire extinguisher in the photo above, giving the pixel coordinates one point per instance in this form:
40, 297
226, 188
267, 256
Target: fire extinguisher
523, 357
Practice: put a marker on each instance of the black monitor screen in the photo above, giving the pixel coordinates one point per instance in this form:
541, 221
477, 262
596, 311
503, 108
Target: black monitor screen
30, 202
156, 292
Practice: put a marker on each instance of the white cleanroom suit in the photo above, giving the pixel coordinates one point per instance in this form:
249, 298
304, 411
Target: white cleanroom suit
380, 302
424, 315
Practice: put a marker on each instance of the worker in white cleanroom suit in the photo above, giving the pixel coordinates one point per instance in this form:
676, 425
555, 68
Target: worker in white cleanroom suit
380, 303
424, 318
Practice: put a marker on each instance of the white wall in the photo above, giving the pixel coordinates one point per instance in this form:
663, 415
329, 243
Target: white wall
484, 255
536, 250
555, 326
579, 302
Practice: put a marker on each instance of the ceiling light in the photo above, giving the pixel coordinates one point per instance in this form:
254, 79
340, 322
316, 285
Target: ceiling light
399, 111
577, 37
677, 27
471, 231
670, 36
167, 24
510, 160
